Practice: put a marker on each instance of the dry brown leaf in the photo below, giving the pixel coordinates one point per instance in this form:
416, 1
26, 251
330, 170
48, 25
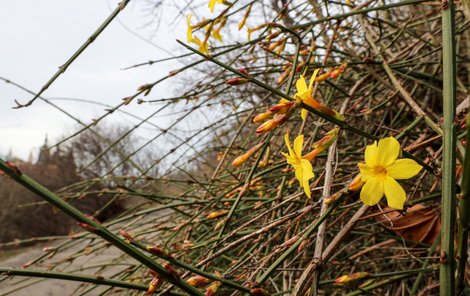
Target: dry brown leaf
420, 223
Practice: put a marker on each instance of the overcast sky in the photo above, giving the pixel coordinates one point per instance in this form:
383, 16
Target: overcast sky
39, 36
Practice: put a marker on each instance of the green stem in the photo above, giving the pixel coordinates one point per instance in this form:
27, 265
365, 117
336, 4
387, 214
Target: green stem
446, 275
97, 280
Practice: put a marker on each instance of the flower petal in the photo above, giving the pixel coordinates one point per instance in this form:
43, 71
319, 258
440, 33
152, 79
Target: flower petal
299, 174
307, 174
298, 143
211, 5
366, 172
301, 85
291, 160
289, 147
372, 191
404, 168
303, 113
189, 31
370, 155
388, 150
394, 193
312, 79
307, 169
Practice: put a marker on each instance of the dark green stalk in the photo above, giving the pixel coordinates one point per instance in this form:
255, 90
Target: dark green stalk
446, 275
97, 280
95, 227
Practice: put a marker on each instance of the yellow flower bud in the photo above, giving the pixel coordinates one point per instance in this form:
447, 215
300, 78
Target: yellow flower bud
154, 285
217, 214
245, 17
198, 281
283, 107
272, 124
356, 183
243, 158
210, 291
262, 116
351, 277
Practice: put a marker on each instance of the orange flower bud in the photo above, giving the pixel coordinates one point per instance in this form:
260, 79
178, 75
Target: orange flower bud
273, 35
198, 281
262, 116
356, 183
283, 76
351, 277
210, 291
243, 158
266, 127
237, 81
217, 214
324, 76
299, 67
275, 44
283, 107
339, 70
272, 124
327, 140
281, 47
335, 74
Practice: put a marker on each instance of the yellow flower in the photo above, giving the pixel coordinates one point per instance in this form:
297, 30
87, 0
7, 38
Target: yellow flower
303, 167
193, 39
212, 4
382, 169
304, 94
189, 31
